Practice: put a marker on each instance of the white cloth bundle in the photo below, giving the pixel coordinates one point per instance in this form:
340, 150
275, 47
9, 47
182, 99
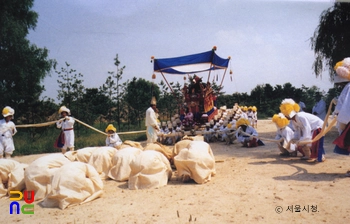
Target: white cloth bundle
84, 154
11, 176
150, 169
196, 161
101, 159
120, 170
37, 175
74, 183
165, 150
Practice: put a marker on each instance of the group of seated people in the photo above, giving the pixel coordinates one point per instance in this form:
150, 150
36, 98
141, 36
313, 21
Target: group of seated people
173, 126
231, 124
226, 126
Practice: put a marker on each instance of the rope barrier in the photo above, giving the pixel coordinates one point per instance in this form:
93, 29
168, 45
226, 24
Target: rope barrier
36, 125
262, 138
101, 132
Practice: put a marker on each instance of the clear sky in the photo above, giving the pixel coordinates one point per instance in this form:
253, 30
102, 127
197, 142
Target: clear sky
268, 41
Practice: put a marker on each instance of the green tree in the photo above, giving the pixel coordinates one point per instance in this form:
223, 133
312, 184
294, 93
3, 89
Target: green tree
138, 97
169, 101
70, 84
71, 91
330, 41
113, 89
94, 103
23, 66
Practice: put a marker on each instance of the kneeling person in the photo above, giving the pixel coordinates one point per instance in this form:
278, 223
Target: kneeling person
284, 133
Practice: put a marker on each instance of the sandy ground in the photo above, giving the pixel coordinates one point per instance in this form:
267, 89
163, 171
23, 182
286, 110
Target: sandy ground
251, 185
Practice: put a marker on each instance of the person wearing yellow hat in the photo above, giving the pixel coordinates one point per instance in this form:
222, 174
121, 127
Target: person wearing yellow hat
246, 134
244, 114
286, 133
250, 115
66, 138
255, 117
112, 139
342, 108
151, 123
306, 127
7, 130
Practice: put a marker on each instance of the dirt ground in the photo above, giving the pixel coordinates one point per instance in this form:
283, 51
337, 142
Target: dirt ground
251, 185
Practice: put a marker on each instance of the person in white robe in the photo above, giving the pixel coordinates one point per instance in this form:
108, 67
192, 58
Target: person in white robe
320, 107
7, 130
285, 134
67, 133
306, 127
152, 127
342, 108
112, 139
246, 134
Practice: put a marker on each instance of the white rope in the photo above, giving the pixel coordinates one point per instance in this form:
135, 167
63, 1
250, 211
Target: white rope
36, 125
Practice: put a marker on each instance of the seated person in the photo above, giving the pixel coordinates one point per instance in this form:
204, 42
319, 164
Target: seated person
163, 131
170, 140
112, 139
250, 137
209, 133
188, 119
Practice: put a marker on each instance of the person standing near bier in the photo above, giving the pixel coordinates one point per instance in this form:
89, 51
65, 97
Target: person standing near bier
151, 122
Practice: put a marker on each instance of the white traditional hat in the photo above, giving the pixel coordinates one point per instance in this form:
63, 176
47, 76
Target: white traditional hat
207, 124
223, 108
163, 123
153, 101
64, 109
170, 125
7, 111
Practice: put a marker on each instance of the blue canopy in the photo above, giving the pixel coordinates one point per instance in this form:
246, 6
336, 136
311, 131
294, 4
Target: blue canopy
166, 65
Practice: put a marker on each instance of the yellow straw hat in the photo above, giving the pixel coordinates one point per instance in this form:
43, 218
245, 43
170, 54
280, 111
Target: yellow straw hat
7, 111
110, 127
242, 121
280, 120
289, 108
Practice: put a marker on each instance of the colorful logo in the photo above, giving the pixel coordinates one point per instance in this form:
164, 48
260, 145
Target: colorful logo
27, 208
